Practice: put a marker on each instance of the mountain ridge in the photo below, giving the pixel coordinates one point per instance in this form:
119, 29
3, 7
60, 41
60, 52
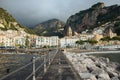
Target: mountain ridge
52, 27
8, 22
93, 17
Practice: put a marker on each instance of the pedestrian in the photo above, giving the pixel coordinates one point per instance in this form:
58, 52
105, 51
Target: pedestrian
8, 70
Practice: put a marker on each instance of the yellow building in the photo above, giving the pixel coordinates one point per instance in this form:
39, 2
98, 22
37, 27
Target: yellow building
98, 37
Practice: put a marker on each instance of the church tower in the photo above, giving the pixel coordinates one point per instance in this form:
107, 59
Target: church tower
69, 31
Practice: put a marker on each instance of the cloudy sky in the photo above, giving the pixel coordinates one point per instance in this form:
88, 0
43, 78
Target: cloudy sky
31, 12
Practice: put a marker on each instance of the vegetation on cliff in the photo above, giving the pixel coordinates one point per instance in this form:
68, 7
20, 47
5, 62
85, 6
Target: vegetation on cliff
94, 17
53, 27
7, 22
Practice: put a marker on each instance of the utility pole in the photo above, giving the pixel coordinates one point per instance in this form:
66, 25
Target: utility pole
33, 68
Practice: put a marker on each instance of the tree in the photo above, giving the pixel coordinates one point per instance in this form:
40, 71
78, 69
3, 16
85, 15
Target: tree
105, 39
27, 41
116, 38
117, 27
80, 42
2, 44
92, 41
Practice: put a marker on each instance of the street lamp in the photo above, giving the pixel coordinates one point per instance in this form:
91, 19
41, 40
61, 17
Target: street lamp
33, 68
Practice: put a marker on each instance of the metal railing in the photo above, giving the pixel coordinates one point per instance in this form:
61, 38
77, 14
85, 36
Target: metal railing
37, 67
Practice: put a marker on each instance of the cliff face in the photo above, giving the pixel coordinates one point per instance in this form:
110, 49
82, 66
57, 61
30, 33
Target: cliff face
7, 22
93, 17
53, 27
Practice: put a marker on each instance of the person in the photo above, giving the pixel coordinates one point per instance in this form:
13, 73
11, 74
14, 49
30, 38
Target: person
8, 70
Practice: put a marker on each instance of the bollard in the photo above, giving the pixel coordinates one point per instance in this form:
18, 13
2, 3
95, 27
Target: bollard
33, 68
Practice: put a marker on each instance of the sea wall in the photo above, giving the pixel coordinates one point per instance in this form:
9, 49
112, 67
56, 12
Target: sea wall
92, 68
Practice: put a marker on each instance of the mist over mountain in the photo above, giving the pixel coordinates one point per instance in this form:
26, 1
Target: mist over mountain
32, 12
93, 17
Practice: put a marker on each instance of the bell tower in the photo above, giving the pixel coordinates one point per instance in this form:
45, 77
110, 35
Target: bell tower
69, 31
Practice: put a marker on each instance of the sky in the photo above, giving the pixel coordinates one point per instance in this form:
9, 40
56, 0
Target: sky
32, 12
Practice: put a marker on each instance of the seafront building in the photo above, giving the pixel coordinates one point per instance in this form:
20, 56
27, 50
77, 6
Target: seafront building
42, 41
68, 41
86, 36
32, 40
19, 41
13, 38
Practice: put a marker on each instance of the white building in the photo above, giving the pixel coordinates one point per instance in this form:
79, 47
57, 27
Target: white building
19, 41
68, 42
99, 30
86, 36
3, 40
11, 38
42, 41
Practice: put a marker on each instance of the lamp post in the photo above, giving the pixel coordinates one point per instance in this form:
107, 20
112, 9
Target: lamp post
44, 62
33, 68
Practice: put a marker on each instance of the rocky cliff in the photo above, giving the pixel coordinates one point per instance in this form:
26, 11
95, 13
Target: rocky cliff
7, 22
53, 27
93, 17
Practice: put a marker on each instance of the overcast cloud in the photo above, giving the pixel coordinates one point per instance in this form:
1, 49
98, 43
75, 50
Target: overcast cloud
31, 12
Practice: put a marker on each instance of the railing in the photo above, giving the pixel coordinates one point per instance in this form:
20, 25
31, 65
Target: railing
30, 71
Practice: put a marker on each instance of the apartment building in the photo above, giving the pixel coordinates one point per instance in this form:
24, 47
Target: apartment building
68, 41
42, 41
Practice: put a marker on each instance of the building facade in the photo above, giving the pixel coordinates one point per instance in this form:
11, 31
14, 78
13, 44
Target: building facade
68, 41
42, 41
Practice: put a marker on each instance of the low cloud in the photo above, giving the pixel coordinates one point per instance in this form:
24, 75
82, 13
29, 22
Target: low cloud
32, 12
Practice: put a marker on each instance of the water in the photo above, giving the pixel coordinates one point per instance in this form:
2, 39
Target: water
114, 57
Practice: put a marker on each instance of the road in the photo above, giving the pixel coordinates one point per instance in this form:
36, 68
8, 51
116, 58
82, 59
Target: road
60, 69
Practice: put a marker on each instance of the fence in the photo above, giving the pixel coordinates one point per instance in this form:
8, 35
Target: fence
36, 68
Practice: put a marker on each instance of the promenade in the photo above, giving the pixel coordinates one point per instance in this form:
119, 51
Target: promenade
60, 69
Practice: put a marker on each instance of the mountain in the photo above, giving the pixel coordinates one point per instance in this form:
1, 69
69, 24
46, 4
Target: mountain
94, 17
53, 27
7, 22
